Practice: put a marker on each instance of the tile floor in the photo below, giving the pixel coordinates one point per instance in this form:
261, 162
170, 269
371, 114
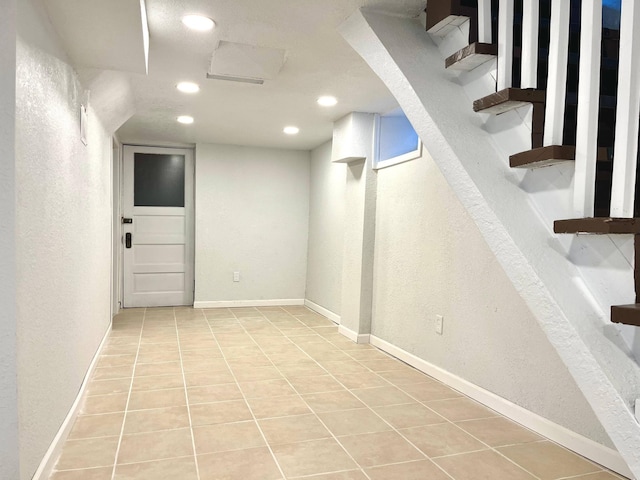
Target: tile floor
276, 393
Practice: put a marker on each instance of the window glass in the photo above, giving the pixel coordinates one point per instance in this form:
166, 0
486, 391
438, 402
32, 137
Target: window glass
158, 180
396, 140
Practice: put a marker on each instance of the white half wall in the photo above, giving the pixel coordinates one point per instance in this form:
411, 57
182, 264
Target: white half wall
9, 457
326, 230
63, 225
252, 217
431, 259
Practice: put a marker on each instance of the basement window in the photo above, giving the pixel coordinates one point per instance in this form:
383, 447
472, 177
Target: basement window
395, 140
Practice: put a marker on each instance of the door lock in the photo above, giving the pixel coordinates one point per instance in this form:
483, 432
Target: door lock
127, 240
127, 220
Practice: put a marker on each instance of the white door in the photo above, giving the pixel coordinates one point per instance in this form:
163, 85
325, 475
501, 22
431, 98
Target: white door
157, 226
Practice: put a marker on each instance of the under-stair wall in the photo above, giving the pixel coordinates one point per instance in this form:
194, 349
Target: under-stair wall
557, 277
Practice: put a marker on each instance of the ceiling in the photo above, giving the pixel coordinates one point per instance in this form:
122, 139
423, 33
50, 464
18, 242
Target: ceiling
318, 62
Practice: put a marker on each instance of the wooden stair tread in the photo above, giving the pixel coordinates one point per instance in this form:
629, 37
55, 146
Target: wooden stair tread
508, 99
549, 155
444, 16
472, 56
626, 314
598, 225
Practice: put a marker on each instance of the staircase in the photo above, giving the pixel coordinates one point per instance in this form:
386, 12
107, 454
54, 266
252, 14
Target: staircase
546, 97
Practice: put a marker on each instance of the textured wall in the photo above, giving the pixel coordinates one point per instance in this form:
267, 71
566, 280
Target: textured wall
63, 242
431, 259
9, 464
326, 230
252, 216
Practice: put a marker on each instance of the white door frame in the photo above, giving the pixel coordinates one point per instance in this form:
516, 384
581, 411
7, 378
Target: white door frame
127, 198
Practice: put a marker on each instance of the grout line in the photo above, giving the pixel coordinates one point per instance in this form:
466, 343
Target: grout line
124, 419
255, 420
186, 397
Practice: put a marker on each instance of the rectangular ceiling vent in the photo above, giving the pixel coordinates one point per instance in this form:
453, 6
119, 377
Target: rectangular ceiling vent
239, 62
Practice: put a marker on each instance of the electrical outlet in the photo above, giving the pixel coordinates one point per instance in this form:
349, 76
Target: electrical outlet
236, 276
439, 322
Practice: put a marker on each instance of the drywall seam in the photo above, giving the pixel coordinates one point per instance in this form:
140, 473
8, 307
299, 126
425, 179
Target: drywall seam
557, 433
248, 303
373, 36
53, 453
334, 317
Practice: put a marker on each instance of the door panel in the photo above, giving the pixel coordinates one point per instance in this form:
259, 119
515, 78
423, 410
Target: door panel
158, 268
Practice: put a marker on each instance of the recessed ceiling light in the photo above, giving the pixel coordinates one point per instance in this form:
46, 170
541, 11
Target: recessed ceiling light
327, 101
198, 22
186, 119
188, 87
291, 130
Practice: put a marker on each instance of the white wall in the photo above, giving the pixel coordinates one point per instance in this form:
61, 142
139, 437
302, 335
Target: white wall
430, 259
63, 243
9, 463
326, 230
252, 216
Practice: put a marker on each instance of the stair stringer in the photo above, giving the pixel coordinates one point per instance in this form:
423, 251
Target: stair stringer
400, 52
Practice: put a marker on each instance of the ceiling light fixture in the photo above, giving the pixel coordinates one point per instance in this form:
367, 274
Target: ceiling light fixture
186, 119
188, 87
198, 22
291, 130
327, 101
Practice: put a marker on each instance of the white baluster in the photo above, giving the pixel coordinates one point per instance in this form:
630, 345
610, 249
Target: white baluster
505, 44
484, 21
557, 79
588, 109
626, 143
530, 34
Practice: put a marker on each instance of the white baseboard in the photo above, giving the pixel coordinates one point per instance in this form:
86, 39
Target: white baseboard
353, 336
249, 303
334, 317
51, 457
594, 451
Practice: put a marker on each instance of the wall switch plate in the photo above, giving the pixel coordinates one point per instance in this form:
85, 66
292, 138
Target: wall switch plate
236, 276
439, 322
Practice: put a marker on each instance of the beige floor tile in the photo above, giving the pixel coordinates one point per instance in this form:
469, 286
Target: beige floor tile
548, 461
221, 412
123, 341
498, 431
251, 464
241, 351
255, 374
259, 360
143, 447
227, 436
362, 380
353, 422
170, 418
459, 409
119, 349
280, 349
165, 368
380, 396
159, 357
273, 407
116, 360
350, 475
108, 387
409, 415
332, 401
384, 448
97, 404
157, 348
404, 377
308, 337
209, 365
201, 354
485, 465
344, 367
214, 393
420, 470
157, 382
110, 373
442, 439
89, 474
429, 391
268, 388
368, 355
175, 468
598, 476
200, 379
313, 457
148, 399
325, 354
383, 365
88, 453
89, 426
320, 384
293, 429
304, 368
